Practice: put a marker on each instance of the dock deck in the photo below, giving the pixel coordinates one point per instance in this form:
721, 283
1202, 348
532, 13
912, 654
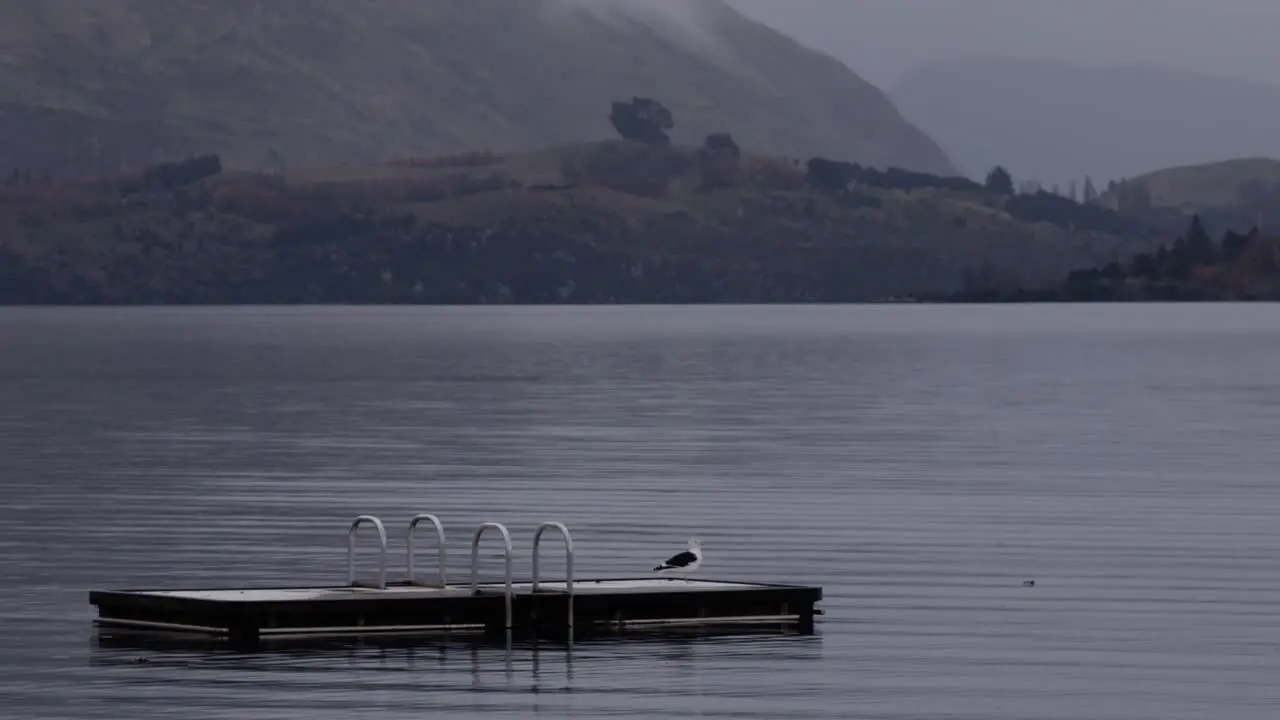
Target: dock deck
535, 608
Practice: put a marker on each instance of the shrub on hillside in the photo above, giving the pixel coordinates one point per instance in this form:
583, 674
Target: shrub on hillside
770, 174
719, 160
173, 175
633, 168
1046, 207
835, 176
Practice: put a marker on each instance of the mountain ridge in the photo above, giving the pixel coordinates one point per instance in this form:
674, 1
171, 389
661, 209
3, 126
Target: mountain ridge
328, 82
1057, 122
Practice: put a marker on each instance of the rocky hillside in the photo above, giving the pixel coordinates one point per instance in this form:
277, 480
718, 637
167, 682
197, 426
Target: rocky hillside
614, 221
1057, 123
93, 87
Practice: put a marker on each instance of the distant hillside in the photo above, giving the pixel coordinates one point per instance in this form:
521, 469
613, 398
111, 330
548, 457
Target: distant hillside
615, 221
1055, 122
1220, 184
94, 87
1193, 268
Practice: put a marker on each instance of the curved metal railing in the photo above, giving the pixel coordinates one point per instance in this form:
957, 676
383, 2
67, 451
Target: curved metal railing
475, 562
568, 562
382, 551
441, 579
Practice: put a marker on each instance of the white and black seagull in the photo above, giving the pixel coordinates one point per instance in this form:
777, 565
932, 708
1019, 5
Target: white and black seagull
683, 563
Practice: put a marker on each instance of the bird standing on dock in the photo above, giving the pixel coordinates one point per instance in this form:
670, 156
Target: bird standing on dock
683, 563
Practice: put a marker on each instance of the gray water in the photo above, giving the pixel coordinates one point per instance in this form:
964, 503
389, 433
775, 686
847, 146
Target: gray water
919, 463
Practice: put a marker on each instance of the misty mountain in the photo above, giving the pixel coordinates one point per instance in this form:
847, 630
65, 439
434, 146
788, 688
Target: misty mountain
883, 40
93, 87
1055, 122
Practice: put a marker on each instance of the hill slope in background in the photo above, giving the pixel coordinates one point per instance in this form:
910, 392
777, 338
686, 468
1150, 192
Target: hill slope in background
613, 221
93, 87
1211, 185
1056, 122
1194, 267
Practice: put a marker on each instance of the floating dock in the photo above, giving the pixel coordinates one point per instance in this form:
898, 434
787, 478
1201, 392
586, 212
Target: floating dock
560, 609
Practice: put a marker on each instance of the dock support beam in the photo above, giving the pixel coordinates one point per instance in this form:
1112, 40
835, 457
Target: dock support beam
244, 637
805, 623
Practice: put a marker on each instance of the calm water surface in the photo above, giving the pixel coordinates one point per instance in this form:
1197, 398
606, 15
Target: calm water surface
917, 462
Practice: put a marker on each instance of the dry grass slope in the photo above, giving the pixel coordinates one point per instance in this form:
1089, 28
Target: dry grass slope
1209, 185
326, 82
595, 222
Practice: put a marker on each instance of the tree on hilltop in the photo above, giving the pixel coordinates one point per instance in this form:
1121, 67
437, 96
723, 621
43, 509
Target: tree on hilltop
1000, 181
643, 119
1090, 192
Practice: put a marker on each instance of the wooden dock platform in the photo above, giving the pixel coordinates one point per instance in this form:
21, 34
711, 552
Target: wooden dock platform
536, 608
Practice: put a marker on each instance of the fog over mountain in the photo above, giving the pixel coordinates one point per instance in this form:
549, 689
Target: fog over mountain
1055, 89
1057, 122
93, 87
882, 40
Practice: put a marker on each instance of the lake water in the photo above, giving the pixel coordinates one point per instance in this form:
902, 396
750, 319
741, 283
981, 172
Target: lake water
919, 463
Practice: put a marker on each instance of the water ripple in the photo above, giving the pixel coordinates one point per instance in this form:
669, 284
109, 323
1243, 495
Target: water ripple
918, 463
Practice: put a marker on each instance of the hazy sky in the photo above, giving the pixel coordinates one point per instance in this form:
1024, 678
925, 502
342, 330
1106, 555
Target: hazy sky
880, 39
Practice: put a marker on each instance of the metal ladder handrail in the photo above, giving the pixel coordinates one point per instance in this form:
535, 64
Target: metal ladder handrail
382, 552
413, 524
475, 561
568, 561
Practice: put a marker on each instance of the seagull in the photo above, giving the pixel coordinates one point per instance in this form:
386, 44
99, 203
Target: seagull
683, 562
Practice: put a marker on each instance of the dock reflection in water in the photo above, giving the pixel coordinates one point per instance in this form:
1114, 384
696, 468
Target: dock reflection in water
143, 661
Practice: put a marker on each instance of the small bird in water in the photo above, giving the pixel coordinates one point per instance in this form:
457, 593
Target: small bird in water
683, 563
1028, 583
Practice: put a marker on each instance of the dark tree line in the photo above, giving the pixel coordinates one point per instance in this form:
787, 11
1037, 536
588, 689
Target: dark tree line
1191, 268
1177, 262
1047, 207
831, 176
171, 176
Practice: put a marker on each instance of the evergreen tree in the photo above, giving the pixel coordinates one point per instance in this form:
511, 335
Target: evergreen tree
1199, 244
1000, 181
1090, 192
